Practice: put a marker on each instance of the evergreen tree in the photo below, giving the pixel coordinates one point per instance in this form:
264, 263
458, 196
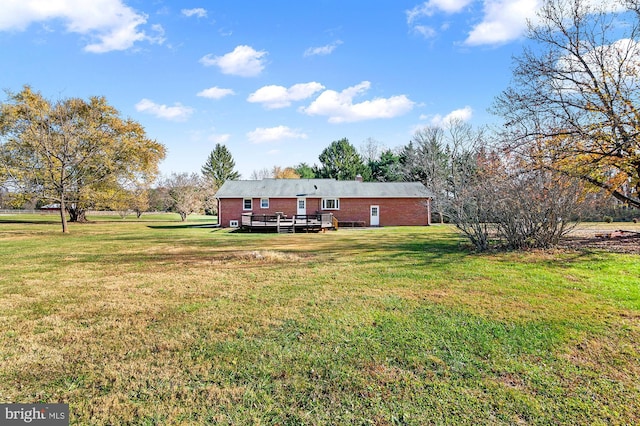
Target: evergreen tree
341, 161
305, 171
219, 166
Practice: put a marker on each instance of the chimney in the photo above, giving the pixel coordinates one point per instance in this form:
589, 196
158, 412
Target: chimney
359, 178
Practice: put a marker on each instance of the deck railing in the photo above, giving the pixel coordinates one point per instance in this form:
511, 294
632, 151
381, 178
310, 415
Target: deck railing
320, 220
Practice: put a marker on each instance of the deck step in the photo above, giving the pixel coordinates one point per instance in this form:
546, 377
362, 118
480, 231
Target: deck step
286, 229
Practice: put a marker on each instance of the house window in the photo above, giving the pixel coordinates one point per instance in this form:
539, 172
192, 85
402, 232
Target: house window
264, 203
233, 223
247, 204
331, 204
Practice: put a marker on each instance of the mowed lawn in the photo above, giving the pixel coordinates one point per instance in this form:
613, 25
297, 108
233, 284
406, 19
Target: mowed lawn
158, 322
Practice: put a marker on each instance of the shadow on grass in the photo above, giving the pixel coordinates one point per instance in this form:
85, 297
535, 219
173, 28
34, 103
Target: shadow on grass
14, 221
186, 226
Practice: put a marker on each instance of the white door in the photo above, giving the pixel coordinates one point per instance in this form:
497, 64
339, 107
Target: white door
302, 206
374, 219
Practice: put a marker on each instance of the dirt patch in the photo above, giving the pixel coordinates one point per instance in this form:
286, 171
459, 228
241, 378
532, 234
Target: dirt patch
613, 240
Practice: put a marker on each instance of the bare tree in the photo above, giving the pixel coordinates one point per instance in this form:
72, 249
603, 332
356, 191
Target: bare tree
493, 196
574, 105
261, 174
187, 193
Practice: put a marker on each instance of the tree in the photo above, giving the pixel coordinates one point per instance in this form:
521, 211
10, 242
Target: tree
284, 173
263, 173
219, 166
186, 194
493, 196
426, 158
305, 171
69, 150
387, 167
341, 161
574, 105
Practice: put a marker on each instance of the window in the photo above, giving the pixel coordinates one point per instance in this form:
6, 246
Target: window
264, 203
247, 204
331, 204
233, 223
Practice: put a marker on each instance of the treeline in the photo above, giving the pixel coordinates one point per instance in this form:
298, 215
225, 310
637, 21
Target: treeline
570, 138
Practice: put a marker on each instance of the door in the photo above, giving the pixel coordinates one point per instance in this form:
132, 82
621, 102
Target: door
374, 218
302, 206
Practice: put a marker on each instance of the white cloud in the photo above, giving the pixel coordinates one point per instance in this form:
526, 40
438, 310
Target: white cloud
243, 61
219, 138
462, 114
322, 50
197, 12
110, 23
429, 8
215, 93
272, 97
177, 112
503, 21
619, 61
274, 134
339, 106
425, 31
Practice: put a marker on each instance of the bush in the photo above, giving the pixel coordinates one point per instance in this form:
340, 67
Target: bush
607, 219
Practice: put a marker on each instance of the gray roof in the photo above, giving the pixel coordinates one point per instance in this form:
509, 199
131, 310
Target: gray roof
289, 188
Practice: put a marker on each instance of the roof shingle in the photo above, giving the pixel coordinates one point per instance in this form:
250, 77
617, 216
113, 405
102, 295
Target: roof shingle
324, 188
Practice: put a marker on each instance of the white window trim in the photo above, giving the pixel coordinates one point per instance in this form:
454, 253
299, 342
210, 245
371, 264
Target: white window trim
244, 206
233, 224
262, 200
337, 204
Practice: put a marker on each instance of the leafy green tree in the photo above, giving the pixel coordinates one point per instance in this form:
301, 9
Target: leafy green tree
220, 166
305, 171
387, 168
68, 151
341, 161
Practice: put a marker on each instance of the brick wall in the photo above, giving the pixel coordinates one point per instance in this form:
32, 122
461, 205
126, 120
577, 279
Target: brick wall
393, 211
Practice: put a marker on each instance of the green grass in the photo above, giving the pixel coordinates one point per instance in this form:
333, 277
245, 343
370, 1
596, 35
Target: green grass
155, 322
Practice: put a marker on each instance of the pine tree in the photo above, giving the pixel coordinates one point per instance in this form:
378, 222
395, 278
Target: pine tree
219, 166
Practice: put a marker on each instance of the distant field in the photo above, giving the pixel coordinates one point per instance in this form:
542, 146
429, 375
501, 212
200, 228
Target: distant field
162, 322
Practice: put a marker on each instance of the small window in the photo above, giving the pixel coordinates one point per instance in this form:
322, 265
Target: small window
264, 203
248, 204
233, 223
331, 204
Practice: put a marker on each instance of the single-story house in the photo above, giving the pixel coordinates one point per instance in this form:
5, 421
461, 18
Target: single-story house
353, 203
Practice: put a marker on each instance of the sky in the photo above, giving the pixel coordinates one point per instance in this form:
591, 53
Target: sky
274, 81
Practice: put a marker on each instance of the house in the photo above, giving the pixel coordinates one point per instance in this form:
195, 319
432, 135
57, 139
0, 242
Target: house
322, 202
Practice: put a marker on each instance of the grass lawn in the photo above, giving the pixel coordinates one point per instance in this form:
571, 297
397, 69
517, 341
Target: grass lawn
161, 322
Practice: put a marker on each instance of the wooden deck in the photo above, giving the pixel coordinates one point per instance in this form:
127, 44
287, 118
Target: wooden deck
283, 224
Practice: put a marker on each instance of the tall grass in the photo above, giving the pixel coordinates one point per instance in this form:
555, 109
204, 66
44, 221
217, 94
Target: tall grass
166, 323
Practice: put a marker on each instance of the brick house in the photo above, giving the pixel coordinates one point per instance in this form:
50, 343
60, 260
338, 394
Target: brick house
352, 203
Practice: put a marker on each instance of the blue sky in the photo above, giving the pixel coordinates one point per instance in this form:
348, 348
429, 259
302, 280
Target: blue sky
275, 81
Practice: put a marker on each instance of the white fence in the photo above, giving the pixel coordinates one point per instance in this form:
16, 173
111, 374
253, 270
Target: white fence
9, 211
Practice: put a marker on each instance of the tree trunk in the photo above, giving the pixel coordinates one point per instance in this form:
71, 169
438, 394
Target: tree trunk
77, 215
63, 217
183, 216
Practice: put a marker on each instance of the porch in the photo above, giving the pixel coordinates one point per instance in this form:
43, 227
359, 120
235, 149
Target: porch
282, 223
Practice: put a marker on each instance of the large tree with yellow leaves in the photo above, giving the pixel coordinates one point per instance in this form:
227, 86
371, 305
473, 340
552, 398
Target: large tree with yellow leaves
72, 149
